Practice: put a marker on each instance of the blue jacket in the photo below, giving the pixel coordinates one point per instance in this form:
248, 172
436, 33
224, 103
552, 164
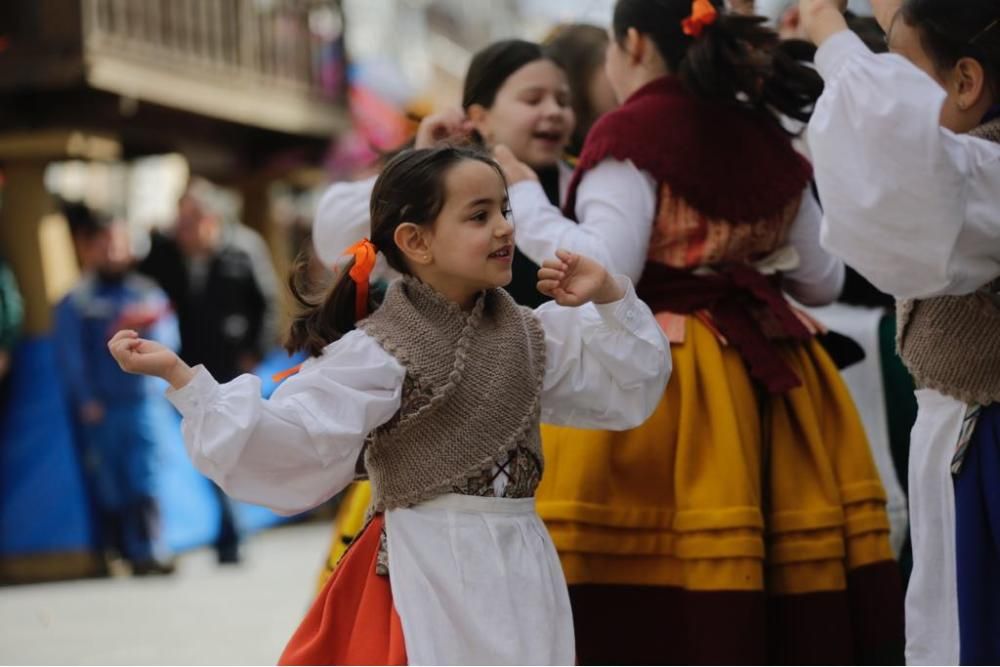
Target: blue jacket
87, 318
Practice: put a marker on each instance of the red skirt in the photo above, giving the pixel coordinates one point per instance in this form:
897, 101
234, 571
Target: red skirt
353, 620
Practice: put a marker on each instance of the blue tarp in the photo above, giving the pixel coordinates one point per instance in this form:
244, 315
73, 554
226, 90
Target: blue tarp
43, 501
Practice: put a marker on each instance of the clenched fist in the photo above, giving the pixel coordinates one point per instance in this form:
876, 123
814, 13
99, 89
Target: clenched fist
147, 357
573, 280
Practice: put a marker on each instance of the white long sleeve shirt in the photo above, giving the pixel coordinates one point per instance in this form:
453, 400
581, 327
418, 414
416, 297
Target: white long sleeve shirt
913, 207
606, 367
615, 208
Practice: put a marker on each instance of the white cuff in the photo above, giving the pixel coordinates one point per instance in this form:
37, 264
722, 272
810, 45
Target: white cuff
196, 394
625, 313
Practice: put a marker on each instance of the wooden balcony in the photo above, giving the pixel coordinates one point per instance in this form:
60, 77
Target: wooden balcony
197, 76
265, 64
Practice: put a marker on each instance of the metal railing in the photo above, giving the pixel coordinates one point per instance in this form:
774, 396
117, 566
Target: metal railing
294, 45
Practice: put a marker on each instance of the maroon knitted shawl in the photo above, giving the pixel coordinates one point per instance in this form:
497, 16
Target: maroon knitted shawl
725, 162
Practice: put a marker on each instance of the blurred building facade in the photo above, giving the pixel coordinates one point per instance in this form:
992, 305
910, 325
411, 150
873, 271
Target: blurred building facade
248, 92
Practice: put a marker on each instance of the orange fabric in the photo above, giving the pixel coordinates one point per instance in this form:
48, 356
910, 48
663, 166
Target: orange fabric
703, 13
285, 374
685, 238
353, 620
364, 261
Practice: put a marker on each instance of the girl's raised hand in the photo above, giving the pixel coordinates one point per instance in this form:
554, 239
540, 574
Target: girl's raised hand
146, 357
447, 125
573, 280
822, 18
514, 170
885, 11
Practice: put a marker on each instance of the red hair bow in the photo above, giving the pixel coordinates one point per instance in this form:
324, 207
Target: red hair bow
703, 14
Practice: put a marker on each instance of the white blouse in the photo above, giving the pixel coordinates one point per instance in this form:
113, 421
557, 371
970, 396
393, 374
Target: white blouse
606, 368
615, 208
475, 580
912, 206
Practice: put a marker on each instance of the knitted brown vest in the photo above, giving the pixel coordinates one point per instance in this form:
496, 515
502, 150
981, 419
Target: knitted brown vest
952, 343
471, 395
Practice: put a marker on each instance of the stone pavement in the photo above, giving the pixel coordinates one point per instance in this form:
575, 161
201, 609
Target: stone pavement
202, 615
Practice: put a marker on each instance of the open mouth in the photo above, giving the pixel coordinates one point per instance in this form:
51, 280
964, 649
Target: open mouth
549, 136
505, 252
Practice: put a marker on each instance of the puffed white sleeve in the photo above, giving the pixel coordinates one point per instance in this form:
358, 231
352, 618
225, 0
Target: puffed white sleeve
819, 277
342, 218
913, 207
615, 204
297, 449
606, 365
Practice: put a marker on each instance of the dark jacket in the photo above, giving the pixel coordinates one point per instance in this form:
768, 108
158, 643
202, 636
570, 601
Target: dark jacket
232, 311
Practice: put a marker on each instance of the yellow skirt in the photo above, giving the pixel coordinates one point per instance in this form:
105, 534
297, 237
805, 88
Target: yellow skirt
347, 525
724, 488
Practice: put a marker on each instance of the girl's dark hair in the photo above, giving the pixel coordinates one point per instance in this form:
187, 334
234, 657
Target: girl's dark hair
579, 49
736, 60
411, 188
951, 30
493, 65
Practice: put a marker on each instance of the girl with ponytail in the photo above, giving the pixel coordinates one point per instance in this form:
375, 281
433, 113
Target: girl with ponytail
514, 93
745, 522
442, 386
907, 165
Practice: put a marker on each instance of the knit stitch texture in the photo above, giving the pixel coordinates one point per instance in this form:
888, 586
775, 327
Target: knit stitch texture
471, 396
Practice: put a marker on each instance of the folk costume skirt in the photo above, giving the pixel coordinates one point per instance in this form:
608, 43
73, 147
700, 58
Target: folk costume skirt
733, 527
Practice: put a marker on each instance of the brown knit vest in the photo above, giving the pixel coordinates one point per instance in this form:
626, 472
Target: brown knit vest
471, 395
952, 343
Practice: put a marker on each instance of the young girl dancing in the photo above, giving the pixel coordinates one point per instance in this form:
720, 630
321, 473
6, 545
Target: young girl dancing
907, 156
443, 387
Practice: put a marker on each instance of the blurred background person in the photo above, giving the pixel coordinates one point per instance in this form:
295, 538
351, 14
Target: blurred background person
219, 275
11, 316
116, 412
11, 320
579, 48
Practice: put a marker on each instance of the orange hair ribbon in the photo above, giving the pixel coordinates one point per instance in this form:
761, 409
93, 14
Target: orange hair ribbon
364, 261
703, 13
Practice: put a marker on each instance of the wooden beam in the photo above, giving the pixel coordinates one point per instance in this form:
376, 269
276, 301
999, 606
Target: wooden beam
218, 97
56, 144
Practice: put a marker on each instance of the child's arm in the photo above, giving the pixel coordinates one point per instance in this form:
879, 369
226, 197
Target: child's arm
910, 205
298, 448
822, 18
148, 357
819, 277
614, 206
607, 364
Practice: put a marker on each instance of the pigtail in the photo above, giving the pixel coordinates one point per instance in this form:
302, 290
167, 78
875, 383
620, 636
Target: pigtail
410, 189
323, 315
739, 60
